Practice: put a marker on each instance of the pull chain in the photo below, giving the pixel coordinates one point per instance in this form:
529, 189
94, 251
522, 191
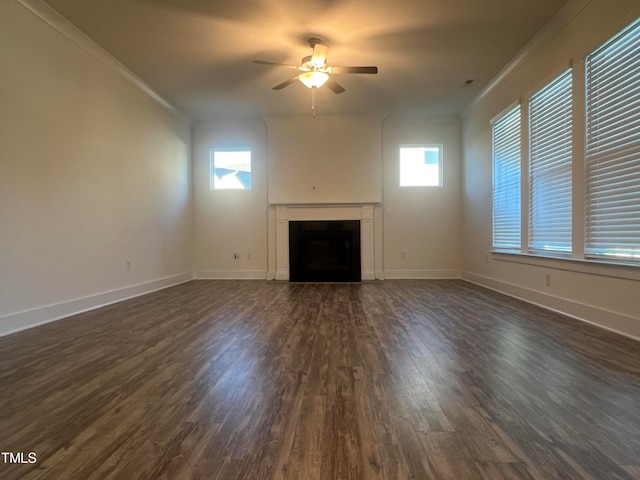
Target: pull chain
313, 101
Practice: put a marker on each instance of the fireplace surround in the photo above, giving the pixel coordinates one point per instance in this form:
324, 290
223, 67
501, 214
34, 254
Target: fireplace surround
285, 214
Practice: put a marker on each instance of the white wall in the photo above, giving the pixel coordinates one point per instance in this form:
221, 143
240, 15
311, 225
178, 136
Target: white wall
422, 225
322, 161
93, 172
327, 159
227, 222
350, 160
605, 295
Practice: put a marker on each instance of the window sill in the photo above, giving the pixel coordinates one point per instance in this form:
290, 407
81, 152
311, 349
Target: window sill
627, 271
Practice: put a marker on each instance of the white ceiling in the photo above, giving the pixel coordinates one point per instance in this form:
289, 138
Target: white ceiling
198, 54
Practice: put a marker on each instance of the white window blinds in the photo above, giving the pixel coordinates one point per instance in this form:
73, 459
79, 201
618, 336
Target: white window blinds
612, 153
550, 170
506, 140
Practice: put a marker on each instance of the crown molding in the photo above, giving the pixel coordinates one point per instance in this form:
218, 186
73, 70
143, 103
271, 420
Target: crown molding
561, 19
50, 16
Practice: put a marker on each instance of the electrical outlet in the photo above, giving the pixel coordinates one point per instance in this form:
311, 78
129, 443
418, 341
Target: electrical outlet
128, 264
248, 256
236, 256
547, 279
403, 255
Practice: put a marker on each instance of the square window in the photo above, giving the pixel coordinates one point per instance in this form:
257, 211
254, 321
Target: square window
421, 166
230, 169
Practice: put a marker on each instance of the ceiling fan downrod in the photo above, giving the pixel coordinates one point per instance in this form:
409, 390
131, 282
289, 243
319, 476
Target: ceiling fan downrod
313, 41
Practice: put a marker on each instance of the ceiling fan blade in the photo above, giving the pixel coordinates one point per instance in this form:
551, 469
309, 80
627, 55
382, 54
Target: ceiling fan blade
339, 70
319, 57
334, 86
285, 83
274, 64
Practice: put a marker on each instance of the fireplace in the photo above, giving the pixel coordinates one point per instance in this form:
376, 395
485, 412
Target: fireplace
283, 215
324, 251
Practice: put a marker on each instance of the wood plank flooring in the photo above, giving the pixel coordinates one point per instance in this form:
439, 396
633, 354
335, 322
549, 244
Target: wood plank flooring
262, 380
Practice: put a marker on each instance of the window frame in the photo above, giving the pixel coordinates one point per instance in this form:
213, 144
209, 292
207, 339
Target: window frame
546, 166
212, 167
578, 259
605, 173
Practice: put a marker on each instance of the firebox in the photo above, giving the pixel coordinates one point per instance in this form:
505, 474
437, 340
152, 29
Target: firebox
324, 251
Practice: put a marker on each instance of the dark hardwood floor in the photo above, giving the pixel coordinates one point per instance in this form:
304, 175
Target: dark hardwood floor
260, 380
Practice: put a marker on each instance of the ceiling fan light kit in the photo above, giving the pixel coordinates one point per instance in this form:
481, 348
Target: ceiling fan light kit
316, 72
313, 79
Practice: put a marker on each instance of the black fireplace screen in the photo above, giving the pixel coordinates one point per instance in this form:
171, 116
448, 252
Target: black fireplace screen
324, 251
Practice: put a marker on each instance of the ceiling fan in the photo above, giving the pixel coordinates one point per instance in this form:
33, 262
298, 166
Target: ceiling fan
315, 72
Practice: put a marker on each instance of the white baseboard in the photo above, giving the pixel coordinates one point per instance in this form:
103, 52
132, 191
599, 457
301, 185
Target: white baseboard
231, 275
16, 322
421, 274
282, 276
617, 322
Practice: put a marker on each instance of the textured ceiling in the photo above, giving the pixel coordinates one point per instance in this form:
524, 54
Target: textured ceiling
198, 54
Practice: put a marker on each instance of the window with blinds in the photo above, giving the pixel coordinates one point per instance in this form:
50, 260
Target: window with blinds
506, 142
550, 170
612, 155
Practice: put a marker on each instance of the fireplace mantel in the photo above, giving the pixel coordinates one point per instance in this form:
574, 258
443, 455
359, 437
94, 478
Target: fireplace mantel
290, 212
